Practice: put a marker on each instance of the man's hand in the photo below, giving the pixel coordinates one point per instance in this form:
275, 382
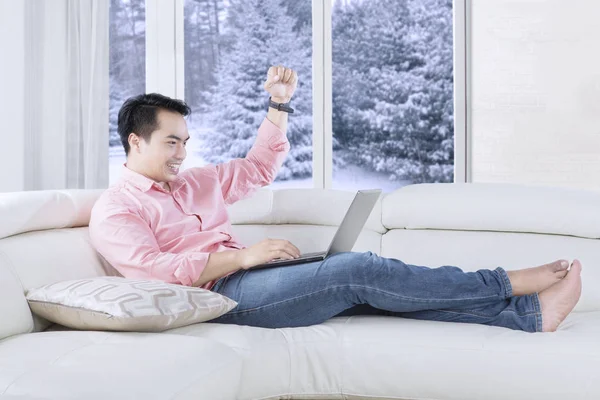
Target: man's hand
281, 83
267, 250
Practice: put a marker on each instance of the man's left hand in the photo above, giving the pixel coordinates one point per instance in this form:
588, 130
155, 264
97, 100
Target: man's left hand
281, 83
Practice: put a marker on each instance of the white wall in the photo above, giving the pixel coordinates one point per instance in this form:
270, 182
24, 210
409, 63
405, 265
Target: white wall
12, 78
535, 92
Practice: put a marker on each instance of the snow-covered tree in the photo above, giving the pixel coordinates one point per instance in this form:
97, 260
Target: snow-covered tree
393, 109
127, 57
262, 35
203, 26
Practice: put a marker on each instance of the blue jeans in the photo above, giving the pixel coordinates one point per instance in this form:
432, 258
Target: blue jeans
364, 283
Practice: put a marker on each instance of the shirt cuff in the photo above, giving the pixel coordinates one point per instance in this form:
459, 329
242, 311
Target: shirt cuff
189, 272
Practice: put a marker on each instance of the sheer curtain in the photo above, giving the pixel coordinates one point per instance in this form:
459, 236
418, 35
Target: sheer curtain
66, 94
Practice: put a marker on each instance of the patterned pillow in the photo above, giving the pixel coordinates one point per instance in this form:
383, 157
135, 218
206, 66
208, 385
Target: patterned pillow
120, 304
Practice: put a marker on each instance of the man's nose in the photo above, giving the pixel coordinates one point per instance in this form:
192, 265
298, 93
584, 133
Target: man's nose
181, 153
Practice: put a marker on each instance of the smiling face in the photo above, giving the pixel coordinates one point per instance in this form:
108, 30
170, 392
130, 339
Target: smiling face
160, 157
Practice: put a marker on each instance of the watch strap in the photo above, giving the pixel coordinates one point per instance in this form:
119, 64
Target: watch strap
285, 107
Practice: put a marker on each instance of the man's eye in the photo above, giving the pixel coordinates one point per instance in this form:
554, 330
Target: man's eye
171, 142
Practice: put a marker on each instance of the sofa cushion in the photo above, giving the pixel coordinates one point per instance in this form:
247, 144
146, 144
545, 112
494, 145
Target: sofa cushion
116, 365
308, 238
386, 357
45, 209
119, 304
280, 362
305, 206
494, 207
42, 257
376, 357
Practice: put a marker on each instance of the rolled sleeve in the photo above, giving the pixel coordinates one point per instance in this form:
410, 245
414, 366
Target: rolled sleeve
240, 177
126, 241
190, 270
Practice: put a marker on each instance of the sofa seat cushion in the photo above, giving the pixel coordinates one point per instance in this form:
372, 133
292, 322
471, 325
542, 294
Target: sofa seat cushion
278, 362
110, 365
374, 357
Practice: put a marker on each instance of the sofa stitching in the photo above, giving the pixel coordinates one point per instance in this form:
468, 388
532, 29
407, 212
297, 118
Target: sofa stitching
341, 343
389, 397
287, 341
345, 396
11, 268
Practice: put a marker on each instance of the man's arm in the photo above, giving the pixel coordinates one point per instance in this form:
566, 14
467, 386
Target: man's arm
240, 177
126, 241
279, 119
281, 84
219, 264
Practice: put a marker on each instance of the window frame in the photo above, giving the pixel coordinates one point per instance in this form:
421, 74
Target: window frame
165, 74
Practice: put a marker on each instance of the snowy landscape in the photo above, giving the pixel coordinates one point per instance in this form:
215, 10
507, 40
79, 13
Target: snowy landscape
392, 85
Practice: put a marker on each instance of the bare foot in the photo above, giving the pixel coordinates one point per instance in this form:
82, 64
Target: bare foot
536, 279
559, 300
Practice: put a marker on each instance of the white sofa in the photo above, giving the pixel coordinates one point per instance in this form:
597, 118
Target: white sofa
44, 238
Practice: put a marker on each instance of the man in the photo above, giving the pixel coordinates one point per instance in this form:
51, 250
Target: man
159, 223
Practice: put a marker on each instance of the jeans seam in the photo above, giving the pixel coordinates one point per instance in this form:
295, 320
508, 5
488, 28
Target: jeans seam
508, 291
469, 312
351, 285
538, 314
219, 284
503, 311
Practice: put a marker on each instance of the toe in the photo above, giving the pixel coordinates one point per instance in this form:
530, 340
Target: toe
576, 266
560, 265
558, 269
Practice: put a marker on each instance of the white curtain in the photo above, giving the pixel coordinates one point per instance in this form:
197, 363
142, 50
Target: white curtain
66, 94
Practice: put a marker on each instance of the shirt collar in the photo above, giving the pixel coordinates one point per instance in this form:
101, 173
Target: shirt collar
144, 183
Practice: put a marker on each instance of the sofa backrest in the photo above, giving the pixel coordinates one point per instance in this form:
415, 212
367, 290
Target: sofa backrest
307, 217
486, 225
44, 237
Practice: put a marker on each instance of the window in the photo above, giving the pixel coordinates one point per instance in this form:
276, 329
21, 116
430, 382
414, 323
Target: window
383, 83
229, 46
392, 89
127, 73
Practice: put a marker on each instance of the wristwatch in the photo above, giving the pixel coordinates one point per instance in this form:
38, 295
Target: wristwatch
281, 106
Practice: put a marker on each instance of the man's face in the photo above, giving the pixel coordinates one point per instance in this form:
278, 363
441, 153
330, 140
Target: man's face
160, 158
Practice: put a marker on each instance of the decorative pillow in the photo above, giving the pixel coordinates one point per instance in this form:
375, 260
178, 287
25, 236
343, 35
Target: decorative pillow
119, 304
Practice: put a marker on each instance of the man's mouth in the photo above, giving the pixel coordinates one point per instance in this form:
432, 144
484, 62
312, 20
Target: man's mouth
173, 168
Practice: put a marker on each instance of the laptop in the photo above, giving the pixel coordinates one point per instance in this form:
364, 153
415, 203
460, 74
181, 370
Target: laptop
346, 234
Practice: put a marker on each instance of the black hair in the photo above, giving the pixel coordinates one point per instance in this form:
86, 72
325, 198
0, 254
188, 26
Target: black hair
138, 115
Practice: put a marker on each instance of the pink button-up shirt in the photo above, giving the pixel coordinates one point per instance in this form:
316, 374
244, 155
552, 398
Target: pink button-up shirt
146, 232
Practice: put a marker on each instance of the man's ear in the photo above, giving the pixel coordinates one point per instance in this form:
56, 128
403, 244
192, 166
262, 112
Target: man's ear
134, 141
